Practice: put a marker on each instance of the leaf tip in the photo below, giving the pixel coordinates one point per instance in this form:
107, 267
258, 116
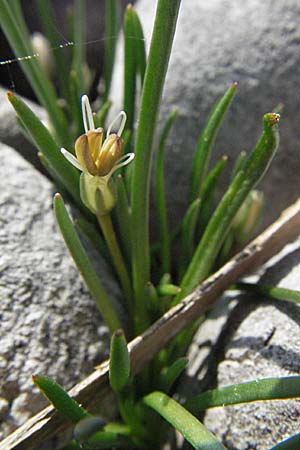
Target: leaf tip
9, 95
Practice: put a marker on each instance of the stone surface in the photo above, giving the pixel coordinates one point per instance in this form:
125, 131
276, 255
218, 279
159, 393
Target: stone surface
218, 42
260, 340
49, 323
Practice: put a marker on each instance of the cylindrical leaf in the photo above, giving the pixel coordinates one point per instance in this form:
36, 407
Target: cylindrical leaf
119, 363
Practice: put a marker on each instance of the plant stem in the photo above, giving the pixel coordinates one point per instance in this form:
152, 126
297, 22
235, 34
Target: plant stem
112, 243
162, 38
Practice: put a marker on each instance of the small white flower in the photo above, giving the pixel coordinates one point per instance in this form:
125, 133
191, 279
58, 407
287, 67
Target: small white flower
98, 160
91, 155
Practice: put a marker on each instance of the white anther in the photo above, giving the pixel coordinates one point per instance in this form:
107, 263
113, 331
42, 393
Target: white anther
121, 114
87, 115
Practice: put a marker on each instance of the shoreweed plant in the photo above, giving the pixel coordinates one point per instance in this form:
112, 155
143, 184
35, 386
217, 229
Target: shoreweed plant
105, 175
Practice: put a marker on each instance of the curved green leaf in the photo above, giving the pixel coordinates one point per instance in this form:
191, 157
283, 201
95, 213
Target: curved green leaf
252, 391
190, 427
219, 225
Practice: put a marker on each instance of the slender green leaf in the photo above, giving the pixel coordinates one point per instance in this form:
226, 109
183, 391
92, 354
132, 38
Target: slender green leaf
161, 196
252, 391
37, 77
16, 9
206, 141
171, 373
119, 362
112, 15
292, 443
105, 440
84, 265
92, 234
78, 63
245, 180
60, 398
140, 49
64, 171
129, 67
209, 191
239, 164
47, 16
161, 43
124, 216
271, 291
188, 233
190, 427
100, 118
74, 105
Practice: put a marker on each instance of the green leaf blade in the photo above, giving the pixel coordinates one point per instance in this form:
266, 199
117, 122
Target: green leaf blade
119, 363
112, 15
206, 141
67, 175
161, 43
60, 399
190, 427
84, 265
252, 391
161, 196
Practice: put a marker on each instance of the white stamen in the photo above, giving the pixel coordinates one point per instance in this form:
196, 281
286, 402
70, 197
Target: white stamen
122, 124
123, 161
71, 158
87, 115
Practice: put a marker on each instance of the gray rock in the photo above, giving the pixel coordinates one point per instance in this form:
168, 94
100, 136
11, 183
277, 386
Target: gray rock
49, 323
218, 42
260, 341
